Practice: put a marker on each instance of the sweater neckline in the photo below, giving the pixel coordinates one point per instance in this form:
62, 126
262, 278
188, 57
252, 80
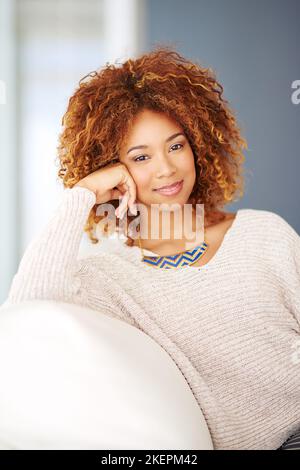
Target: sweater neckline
225, 242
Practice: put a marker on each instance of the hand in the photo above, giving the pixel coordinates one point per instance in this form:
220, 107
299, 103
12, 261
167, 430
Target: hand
112, 182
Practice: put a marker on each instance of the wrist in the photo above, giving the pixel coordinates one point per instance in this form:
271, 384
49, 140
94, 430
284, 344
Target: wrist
82, 184
85, 186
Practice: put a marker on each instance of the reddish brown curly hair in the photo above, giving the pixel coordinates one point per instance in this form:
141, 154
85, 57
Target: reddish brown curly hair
101, 110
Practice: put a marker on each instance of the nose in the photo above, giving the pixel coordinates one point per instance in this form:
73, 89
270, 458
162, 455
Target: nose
165, 168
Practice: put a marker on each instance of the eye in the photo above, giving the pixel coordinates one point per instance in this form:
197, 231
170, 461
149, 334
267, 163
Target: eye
176, 144
140, 156
136, 159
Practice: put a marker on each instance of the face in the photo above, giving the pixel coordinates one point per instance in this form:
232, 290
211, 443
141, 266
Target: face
157, 153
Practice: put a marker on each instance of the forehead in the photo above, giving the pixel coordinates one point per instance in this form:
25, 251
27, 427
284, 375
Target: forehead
147, 124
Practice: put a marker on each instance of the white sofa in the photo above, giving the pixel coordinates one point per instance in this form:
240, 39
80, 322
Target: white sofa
74, 378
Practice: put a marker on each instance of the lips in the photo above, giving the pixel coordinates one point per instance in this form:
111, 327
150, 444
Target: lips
171, 186
171, 191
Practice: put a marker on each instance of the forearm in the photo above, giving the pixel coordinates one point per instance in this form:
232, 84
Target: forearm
46, 270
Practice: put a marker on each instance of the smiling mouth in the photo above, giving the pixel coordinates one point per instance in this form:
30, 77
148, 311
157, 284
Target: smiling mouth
170, 187
171, 190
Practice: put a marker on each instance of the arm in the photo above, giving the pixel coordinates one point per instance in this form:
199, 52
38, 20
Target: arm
293, 286
286, 252
47, 269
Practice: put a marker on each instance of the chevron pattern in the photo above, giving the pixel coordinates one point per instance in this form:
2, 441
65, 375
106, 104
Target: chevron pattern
176, 261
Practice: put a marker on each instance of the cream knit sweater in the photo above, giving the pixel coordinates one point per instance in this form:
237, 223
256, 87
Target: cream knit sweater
232, 326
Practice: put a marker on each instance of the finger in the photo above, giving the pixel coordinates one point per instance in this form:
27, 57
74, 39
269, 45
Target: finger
131, 188
116, 194
129, 184
126, 187
124, 205
120, 211
132, 192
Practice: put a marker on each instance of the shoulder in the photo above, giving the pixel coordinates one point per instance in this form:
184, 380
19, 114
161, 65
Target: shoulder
265, 217
269, 226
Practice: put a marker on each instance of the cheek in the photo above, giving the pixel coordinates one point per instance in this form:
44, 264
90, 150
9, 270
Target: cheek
188, 165
142, 178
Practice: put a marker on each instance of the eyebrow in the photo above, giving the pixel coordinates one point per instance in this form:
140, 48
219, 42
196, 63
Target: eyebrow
145, 146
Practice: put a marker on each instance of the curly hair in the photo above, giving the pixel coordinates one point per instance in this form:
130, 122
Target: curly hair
101, 110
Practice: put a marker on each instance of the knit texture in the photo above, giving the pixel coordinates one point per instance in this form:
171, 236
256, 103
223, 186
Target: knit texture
232, 326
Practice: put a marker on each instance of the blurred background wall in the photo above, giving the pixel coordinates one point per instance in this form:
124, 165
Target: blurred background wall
254, 47
47, 46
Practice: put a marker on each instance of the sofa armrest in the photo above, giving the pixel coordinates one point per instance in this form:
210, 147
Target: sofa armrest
74, 378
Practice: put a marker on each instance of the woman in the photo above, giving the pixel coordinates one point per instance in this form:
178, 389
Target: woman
223, 302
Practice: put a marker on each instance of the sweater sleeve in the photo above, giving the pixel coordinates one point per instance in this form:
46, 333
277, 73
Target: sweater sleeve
48, 267
286, 252
293, 287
